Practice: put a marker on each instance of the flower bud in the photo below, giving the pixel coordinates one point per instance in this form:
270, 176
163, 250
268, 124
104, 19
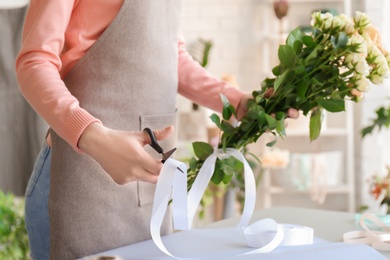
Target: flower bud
361, 20
356, 93
388, 59
338, 23
358, 43
358, 63
376, 79
362, 83
349, 28
362, 67
383, 69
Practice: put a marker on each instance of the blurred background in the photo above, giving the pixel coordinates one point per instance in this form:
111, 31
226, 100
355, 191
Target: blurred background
236, 40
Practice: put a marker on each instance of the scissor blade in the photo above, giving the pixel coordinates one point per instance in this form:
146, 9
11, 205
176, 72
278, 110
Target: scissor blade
168, 154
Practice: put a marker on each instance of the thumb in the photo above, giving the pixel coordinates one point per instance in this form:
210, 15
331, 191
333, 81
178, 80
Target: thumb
162, 134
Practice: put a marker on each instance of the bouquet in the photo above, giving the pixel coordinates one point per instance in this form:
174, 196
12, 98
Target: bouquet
318, 71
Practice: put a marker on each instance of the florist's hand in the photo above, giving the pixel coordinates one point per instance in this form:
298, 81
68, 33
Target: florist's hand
242, 108
291, 112
121, 153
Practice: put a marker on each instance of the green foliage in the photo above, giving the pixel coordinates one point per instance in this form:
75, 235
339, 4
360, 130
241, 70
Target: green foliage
13, 235
382, 120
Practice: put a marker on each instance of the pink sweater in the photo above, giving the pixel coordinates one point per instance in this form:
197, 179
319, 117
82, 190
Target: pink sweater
58, 33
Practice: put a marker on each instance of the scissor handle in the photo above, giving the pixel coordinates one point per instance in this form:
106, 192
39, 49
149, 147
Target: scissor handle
153, 140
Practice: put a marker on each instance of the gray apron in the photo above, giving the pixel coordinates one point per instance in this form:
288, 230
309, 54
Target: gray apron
128, 79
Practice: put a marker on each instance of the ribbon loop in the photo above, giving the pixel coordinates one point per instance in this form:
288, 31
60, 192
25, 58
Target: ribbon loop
378, 239
265, 234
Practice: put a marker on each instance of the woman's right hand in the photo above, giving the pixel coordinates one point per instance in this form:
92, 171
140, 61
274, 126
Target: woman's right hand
121, 153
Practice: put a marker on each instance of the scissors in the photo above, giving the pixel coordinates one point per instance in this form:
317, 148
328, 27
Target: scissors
154, 144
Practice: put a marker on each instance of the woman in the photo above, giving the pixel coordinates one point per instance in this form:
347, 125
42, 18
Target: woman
99, 72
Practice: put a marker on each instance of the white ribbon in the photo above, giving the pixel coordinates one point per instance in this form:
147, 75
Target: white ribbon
265, 235
379, 240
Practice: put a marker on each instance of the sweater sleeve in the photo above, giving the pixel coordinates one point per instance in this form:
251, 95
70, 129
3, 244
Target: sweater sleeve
38, 68
196, 83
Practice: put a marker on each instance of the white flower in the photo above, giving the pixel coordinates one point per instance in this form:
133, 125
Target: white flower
328, 23
362, 67
376, 79
376, 57
322, 21
359, 43
383, 70
358, 63
361, 20
388, 59
316, 19
362, 83
349, 27
337, 23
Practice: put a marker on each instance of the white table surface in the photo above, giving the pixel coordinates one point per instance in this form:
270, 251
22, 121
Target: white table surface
327, 225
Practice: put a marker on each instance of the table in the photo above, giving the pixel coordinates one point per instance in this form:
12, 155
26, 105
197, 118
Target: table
328, 225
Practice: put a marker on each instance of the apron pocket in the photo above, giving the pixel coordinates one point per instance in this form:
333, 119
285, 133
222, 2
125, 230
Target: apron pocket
154, 122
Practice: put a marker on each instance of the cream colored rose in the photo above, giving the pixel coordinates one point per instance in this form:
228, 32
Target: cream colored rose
361, 20
358, 63
359, 43
376, 79
362, 83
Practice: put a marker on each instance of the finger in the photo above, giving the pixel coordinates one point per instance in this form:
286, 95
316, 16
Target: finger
150, 164
293, 113
149, 177
269, 93
164, 133
160, 134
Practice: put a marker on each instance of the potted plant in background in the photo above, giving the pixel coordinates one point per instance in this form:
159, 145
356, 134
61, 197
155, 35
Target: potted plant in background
13, 235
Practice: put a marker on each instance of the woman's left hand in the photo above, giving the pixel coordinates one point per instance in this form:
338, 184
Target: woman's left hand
242, 108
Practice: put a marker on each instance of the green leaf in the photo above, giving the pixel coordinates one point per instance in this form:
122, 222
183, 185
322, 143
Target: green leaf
287, 56
315, 124
302, 88
215, 118
271, 121
311, 56
298, 47
202, 150
293, 36
261, 118
287, 75
309, 41
226, 127
228, 109
340, 41
332, 105
218, 173
280, 127
300, 69
193, 164
272, 143
367, 130
276, 70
